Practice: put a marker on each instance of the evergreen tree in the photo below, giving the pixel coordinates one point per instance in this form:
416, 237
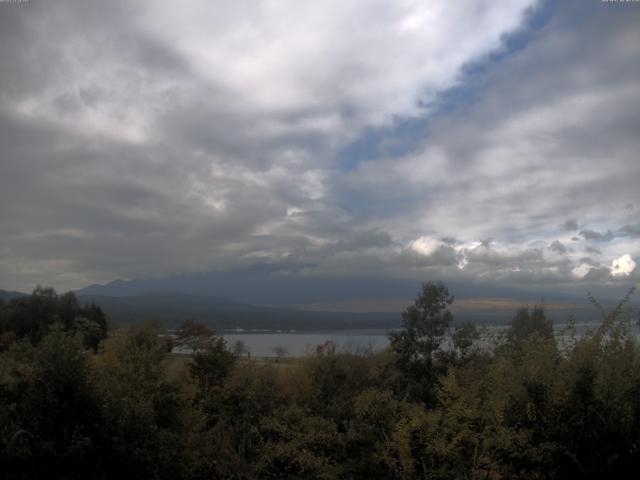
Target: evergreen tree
416, 346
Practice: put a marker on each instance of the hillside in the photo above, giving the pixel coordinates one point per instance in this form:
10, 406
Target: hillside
172, 308
7, 295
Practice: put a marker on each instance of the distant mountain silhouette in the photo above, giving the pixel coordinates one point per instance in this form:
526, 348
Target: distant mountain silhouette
171, 308
9, 295
273, 284
285, 284
274, 298
282, 290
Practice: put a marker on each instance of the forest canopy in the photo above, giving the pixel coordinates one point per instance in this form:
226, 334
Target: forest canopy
441, 402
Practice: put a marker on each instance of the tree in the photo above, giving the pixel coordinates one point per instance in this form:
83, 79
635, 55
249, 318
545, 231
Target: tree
142, 411
68, 309
279, 351
49, 414
527, 322
212, 364
463, 339
33, 317
193, 335
92, 323
240, 348
425, 324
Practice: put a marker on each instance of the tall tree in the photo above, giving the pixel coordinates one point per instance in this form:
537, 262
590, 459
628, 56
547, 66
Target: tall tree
530, 321
425, 324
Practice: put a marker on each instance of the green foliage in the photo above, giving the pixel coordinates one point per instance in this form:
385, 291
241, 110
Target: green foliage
429, 407
193, 335
212, 364
48, 409
147, 418
464, 341
417, 345
528, 322
336, 379
234, 414
298, 445
376, 414
32, 317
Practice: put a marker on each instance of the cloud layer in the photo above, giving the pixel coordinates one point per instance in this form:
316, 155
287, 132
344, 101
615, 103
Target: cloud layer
148, 139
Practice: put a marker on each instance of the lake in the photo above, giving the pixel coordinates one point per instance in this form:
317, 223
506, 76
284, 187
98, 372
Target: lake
262, 343
296, 343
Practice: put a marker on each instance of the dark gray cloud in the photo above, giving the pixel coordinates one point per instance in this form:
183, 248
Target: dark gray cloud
558, 247
597, 274
597, 236
590, 261
630, 231
570, 225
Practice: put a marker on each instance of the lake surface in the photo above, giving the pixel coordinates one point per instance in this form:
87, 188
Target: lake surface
297, 344
262, 344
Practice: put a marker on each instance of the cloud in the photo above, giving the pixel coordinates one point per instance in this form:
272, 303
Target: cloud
558, 247
590, 261
431, 251
581, 270
570, 225
501, 256
598, 275
514, 164
630, 231
175, 137
331, 65
186, 136
426, 246
623, 266
597, 236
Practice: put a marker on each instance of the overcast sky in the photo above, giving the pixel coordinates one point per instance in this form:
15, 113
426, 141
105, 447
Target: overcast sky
492, 142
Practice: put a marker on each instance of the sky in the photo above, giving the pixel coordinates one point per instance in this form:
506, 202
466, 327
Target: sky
493, 143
